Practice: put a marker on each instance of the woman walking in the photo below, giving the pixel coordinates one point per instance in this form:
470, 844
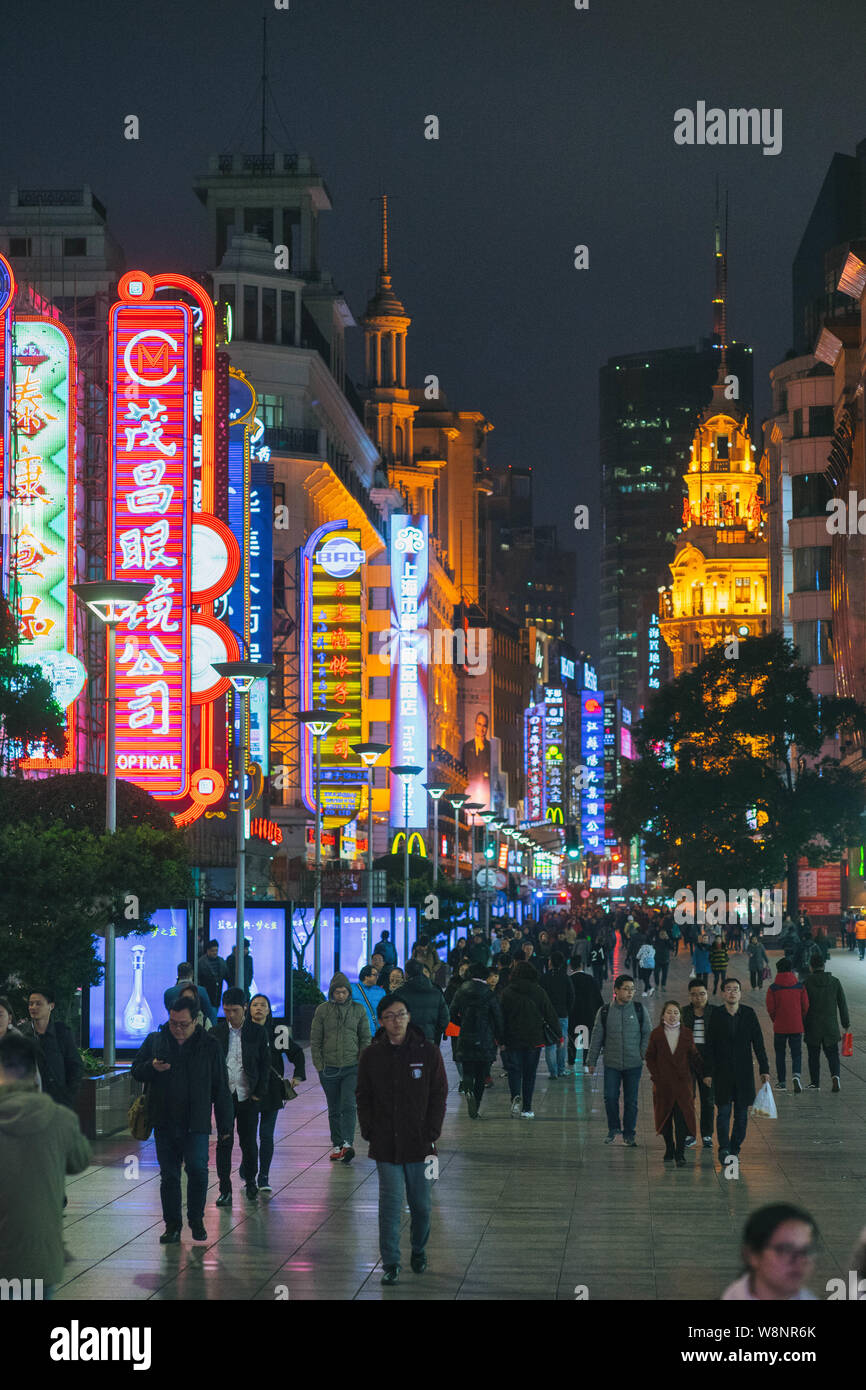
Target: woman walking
525, 1011
759, 961
340, 1032
273, 1099
673, 1062
718, 962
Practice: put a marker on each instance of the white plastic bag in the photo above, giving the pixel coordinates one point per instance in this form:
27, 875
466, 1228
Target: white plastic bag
765, 1104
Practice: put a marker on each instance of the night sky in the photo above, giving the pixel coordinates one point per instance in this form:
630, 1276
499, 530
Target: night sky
556, 128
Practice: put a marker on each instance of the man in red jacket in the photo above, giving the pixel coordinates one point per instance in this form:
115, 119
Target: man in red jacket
401, 1094
787, 1005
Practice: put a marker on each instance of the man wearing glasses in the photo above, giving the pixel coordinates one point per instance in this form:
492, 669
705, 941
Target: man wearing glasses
401, 1095
185, 1073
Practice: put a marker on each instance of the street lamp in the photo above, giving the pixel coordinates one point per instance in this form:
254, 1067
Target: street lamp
110, 600
370, 753
406, 772
471, 808
319, 722
488, 817
436, 792
242, 675
457, 800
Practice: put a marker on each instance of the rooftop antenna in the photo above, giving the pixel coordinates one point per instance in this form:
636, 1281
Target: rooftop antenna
264, 80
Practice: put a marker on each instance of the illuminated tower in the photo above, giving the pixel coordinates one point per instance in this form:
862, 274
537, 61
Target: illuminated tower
388, 412
720, 587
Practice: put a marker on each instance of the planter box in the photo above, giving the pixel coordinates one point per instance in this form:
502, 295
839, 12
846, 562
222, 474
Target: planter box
103, 1102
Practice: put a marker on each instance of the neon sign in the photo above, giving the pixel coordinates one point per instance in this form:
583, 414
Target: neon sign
592, 758
150, 507
409, 578
533, 743
654, 660
7, 295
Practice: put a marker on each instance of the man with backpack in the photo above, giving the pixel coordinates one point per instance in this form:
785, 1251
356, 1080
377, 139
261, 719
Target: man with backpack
622, 1030
477, 1013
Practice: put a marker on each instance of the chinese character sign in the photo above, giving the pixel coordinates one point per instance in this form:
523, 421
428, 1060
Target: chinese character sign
7, 295
592, 758
533, 739
554, 760
409, 575
653, 653
150, 497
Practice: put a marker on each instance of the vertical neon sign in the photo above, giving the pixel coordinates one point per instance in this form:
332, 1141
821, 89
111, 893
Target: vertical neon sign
150, 508
409, 578
7, 295
592, 754
533, 745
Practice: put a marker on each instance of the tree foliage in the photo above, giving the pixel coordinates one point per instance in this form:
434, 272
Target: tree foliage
747, 792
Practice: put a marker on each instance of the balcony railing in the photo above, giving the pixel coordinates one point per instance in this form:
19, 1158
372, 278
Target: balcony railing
281, 440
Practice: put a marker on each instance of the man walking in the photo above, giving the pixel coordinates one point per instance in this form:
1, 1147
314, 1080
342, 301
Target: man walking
860, 935
401, 1096
184, 980
732, 1033
365, 991
60, 1065
212, 973
40, 1142
244, 1045
476, 1011
587, 1002
696, 1015
559, 989
622, 1030
787, 1005
425, 1002
826, 1000
185, 1072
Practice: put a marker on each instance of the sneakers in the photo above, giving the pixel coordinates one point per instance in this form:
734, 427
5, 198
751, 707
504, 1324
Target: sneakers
527, 1114
610, 1138
170, 1236
251, 1192
837, 1085
472, 1106
779, 1086
198, 1230
569, 1071
798, 1086
651, 992
690, 1141
418, 1262
224, 1199
516, 1105
812, 1087
336, 1152
724, 1154
347, 1153
630, 1143
390, 1274
707, 1140
265, 1183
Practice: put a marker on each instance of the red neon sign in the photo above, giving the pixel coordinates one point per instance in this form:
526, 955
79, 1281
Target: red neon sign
150, 505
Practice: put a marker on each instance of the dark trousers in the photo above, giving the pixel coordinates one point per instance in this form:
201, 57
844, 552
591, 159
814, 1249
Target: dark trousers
718, 978
645, 976
267, 1122
394, 1180
723, 1125
176, 1146
475, 1074
756, 978
245, 1116
599, 972
522, 1066
661, 973
676, 1120
708, 1105
831, 1052
339, 1085
795, 1041
629, 1079
861, 947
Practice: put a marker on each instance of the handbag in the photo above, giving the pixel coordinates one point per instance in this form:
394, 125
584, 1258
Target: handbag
287, 1088
765, 973
847, 1045
138, 1118
551, 1035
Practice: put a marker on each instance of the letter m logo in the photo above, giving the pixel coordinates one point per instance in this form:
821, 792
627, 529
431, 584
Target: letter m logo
156, 359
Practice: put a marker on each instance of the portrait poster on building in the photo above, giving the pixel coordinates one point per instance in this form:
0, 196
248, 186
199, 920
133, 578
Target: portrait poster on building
480, 754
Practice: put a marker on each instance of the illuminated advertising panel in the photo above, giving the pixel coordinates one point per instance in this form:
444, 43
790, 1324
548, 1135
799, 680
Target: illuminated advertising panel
43, 512
261, 611
265, 929
554, 755
592, 758
7, 295
150, 502
146, 967
533, 745
332, 659
654, 660
302, 922
409, 555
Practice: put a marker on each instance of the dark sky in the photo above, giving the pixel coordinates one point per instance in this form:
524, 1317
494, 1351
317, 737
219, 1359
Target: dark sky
556, 128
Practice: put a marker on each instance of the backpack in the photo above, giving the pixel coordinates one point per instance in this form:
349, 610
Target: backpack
472, 1025
605, 1010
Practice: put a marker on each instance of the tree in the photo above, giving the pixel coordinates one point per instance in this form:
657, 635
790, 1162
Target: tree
30, 718
730, 787
77, 799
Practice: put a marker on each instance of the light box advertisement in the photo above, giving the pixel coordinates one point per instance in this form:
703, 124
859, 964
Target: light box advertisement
355, 946
265, 929
145, 968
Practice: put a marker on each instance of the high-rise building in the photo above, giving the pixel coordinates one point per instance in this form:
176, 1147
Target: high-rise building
837, 219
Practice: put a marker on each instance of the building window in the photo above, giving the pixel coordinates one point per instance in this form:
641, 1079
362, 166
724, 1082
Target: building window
742, 588
814, 642
279, 584
821, 420
260, 221
797, 424
810, 493
287, 318
75, 246
811, 568
251, 313
20, 246
270, 411
722, 443
269, 316
378, 687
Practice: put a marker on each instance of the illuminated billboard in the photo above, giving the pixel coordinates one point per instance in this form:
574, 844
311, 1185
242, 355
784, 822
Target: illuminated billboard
554, 756
150, 510
42, 519
332, 659
533, 751
409, 555
7, 295
145, 966
265, 929
592, 759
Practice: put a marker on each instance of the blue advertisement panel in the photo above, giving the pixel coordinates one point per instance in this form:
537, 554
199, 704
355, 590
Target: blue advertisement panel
397, 933
302, 921
265, 929
355, 947
145, 968
592, 760
409, 555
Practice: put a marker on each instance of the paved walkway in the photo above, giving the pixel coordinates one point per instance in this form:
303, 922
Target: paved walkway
523, 1209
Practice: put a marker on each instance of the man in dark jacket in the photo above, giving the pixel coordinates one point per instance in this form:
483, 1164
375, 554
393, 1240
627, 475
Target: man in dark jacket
560, 991
186, 1075
401, 1096
475, 1009
231, 975
732, 1032
244, 1045
60, 1065
525, 1011
425, 1002
586, 1003
212, 972
184, 979
387, 951
826, 999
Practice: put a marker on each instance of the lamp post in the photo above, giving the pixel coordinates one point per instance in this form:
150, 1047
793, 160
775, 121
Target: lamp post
110, 599
370, 753
242, 675
459, 799
406, 772
319, 722
471, 808
488, 817
435, 792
